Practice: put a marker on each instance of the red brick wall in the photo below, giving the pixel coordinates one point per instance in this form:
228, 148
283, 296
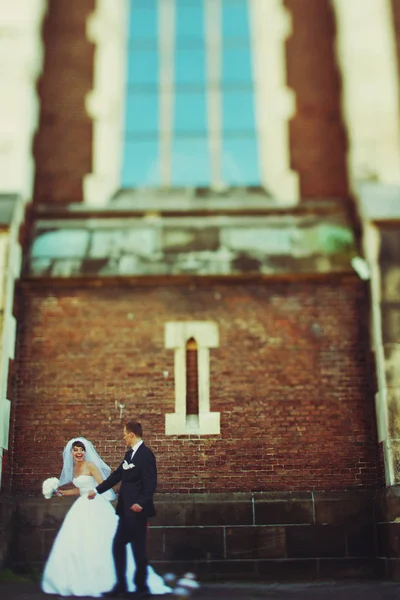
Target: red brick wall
318, 140
63, 145
290, 379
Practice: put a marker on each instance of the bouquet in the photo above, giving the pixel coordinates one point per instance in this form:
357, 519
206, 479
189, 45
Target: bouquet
49, 486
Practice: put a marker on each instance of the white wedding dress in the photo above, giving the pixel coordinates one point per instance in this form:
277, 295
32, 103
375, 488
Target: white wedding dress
80, 562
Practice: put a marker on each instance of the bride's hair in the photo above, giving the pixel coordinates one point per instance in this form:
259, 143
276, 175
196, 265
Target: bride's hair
78, 444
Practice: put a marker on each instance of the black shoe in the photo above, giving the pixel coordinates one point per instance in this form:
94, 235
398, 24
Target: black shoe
117, 590
138, 595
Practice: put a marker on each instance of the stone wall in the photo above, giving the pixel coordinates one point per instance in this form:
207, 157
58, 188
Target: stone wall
265, 536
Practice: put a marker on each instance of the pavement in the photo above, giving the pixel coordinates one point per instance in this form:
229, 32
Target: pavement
350, 590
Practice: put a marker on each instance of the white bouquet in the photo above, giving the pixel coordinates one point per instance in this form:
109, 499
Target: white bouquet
49, 486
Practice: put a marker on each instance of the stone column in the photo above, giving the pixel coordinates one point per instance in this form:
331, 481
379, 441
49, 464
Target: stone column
21, 56
366, 54
20, 65
107, 29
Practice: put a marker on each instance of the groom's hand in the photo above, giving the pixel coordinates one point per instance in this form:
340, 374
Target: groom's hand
136, 508
91, 495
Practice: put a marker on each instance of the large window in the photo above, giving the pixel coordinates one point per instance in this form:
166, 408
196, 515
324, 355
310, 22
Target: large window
190, 110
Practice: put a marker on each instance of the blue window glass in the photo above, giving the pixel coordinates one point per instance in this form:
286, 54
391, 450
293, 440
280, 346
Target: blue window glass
143, 66
240, 165
141, 163
143, 21
190, 68
238, 112
191, 162
189, 23
240, 161
190, 146
189, 157
235, 19
190, 113
140, 167
143, 114
236, 65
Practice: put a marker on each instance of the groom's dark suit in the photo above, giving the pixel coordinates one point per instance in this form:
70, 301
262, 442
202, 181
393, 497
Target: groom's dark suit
138, 477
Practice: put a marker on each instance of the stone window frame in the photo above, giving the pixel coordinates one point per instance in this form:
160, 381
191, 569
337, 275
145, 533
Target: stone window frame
206, 335
271, 26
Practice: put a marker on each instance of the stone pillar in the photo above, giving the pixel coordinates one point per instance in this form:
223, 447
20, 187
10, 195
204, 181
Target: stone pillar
20, 65
107, 29
382, 248
271, 25
366, 54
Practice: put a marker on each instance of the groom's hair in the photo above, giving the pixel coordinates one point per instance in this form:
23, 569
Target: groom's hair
134, 427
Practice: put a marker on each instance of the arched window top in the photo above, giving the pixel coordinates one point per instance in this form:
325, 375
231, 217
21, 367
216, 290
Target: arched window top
191, 344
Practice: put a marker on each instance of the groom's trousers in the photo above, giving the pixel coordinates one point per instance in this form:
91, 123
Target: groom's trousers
133, 531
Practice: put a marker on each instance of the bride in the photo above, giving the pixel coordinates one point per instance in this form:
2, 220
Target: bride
81, 562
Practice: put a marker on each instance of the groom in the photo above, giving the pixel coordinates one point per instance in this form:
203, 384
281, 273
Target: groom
138, 476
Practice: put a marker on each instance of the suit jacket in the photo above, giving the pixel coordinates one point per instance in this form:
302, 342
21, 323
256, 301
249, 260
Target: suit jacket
138, 482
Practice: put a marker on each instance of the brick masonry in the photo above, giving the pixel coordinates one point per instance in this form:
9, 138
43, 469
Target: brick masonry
318, 140
291, 379
63, 144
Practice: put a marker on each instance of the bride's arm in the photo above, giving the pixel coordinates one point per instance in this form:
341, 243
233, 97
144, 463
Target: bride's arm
95, 473
71, 492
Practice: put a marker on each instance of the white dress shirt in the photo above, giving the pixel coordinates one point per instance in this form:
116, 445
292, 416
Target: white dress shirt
135, 447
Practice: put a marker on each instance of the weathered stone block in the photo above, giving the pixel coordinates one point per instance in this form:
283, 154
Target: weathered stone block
393, 569
156, 543
223, 513
29, 542
361, 540
388, 540
172, 510
315, 541
7, 530
354, 568
255, 542
229, 569
394, 420
387, 504
390, 322
392, 365
283, 509
338, 507
49, 514
393, 417
203, 509
287, 570
194, 543
390, 246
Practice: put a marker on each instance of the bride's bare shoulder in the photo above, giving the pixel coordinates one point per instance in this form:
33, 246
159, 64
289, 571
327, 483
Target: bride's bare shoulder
92, 467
